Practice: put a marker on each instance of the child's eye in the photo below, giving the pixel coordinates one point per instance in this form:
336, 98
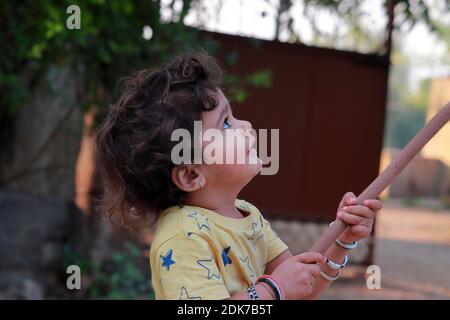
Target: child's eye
226, 125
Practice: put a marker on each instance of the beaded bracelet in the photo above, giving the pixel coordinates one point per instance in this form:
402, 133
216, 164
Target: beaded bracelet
252, 294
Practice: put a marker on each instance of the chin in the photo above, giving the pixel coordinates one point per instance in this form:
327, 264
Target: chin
251, 171
240, 174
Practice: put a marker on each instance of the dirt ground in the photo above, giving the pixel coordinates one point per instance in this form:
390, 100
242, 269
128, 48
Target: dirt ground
412, 250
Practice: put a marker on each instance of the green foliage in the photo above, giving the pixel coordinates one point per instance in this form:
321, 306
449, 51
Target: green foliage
358, 34
237, 84
410, 11
108, 46
232, 58
402, 126
406, 106
411, 201
117, 278
406, 113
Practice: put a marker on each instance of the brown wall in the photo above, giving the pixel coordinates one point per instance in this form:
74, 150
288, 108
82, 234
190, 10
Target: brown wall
329, 107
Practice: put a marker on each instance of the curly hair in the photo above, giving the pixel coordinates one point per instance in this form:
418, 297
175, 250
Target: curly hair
134, 141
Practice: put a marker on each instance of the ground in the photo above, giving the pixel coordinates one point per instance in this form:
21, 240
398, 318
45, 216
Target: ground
413, 252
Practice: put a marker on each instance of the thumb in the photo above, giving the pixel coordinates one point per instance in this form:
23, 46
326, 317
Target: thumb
347, 200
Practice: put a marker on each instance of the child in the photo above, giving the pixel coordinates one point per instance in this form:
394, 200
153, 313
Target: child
208, 244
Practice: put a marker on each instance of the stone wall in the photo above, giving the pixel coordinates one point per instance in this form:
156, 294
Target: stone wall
43, 145
33, 233
37, 188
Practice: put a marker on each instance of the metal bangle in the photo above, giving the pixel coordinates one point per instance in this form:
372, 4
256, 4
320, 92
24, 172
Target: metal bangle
346, 245
337, 266
328, 277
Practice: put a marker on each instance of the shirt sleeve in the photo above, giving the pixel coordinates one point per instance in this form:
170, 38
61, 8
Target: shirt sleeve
275, 246
188, 269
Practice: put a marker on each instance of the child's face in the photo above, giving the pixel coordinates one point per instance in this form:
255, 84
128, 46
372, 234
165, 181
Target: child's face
237, 138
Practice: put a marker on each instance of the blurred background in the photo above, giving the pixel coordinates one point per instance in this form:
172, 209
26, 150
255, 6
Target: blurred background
348, 83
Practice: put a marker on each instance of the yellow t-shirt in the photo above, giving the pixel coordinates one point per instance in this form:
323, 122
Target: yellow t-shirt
200, 254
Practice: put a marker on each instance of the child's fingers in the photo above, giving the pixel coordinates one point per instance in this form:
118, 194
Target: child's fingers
351, 219
373, 204
360, 230
348, 199
310, 257
359, 210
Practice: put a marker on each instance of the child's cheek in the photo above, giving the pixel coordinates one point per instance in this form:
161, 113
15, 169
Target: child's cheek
234, 150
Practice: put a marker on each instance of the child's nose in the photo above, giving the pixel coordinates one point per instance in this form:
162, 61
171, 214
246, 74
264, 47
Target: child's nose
245, 124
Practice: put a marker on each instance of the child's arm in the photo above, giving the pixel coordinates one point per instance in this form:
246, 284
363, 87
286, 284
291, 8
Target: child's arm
264, 293
295, 275
273, 264
335, 253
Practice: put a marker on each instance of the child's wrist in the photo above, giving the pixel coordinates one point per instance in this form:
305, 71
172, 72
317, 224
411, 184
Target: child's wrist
274, 284
265, 292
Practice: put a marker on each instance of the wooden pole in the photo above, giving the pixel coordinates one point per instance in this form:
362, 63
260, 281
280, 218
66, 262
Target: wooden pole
389, 174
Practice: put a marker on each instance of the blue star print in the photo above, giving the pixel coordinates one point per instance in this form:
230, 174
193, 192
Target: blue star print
202, 221
167, 260
226, 259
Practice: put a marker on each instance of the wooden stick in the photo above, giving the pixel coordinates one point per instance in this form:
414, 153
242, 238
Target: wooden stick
389, 174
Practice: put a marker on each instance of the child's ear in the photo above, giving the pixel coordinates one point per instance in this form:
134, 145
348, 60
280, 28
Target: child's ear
188, 177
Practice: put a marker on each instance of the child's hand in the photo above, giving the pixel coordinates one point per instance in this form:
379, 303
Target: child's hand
298, 274
359, 217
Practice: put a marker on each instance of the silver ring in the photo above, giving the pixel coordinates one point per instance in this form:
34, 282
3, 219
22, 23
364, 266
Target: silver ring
345, 245
337, 266
328, 277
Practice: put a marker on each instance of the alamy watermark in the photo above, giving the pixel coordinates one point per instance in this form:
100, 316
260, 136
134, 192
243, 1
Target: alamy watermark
374, 280
231, 146
74, 20
74, 280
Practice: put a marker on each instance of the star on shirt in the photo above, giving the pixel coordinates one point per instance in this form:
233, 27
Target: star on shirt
202, 221
256, 234
226, 259
184, 295
167, 260
246, 261
208, 265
